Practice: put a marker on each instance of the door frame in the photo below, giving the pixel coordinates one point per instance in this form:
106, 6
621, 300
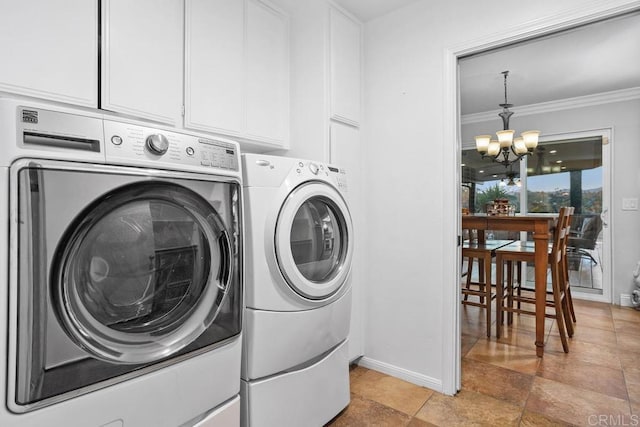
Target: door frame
589, 13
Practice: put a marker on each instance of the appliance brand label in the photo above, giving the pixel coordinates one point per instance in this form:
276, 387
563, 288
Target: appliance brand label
29, 116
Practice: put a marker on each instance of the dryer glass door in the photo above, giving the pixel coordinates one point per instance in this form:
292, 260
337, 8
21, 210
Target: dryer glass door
313, 240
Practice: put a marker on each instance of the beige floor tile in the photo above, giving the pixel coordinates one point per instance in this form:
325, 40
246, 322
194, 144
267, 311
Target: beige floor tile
466, 343
628, 359
533, 419
591, 308
517, 336
603, 355
400, 395
584, 375
506, 356
469, 408
501, 383
572, 404
417, 422
628, 342
627, 327
366, 413
625, 313
595, 321
589, 335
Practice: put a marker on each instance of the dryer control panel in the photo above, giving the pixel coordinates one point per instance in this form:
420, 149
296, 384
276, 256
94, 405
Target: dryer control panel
133, 144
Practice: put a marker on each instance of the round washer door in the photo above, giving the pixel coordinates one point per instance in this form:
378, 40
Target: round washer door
142, 272
313, 240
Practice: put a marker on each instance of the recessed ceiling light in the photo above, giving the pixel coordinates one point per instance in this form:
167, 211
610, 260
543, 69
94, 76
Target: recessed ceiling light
463, 165
553, 151
480, 171
558, 161
494, 175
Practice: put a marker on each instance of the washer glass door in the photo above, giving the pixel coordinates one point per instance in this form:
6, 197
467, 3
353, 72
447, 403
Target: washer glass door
117, 272
313, 240
136, 273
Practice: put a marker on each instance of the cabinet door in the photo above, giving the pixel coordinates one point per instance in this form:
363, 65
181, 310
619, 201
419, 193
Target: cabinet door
346, 153
267, 109
214, 68
49, 49
345, 67
143, 58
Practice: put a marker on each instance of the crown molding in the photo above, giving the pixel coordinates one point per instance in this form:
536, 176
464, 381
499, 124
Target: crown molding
559, 105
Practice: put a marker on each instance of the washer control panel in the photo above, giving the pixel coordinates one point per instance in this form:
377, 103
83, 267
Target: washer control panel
139, 145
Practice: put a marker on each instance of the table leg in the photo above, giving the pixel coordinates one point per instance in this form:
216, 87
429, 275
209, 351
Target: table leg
541, 239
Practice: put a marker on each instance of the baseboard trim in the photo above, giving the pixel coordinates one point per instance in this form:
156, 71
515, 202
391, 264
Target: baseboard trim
404, 374
625, 300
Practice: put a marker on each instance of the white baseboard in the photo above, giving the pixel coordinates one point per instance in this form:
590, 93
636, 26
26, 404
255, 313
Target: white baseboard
403, 374
625, 300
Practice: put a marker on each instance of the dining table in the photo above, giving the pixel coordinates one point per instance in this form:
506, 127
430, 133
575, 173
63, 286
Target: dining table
540, 225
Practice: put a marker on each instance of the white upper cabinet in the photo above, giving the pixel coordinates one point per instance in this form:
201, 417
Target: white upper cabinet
142, 59
345, 58
214, 68
267, 73
49, 49
237, 70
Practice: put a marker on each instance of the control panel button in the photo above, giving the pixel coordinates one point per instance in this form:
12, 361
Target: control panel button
116, 140
314, 168
157, 143
190, 151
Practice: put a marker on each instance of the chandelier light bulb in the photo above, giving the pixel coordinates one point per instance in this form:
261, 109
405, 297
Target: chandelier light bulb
519, 146
482, 143
505, 138
494, 148
531, 139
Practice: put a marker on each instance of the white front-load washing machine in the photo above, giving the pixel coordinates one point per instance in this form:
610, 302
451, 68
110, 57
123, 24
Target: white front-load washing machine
121, 297
299, 246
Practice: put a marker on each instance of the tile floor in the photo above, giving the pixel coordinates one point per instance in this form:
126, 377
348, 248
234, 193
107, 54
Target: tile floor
505, 384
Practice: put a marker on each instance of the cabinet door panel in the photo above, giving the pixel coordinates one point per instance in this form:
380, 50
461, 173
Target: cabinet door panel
345, 68
214, 81
267, 73
49, 49
143, 58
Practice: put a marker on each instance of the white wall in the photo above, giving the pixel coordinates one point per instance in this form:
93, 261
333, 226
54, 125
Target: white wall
403, 128
622, 118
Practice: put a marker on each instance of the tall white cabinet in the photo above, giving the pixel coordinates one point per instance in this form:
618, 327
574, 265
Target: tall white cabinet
49, 50
142, 58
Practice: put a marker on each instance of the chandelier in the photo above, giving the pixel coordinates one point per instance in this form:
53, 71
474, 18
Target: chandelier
507, 149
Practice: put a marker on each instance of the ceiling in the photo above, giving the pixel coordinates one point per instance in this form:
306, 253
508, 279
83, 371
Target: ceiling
366, 10
596, 58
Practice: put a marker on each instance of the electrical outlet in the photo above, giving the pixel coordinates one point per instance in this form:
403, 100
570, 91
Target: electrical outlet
630, 204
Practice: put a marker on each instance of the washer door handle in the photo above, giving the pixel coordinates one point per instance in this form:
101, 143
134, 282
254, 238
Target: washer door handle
226, 265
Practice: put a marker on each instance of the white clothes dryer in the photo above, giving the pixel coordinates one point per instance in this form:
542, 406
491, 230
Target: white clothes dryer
299, 246
124, 300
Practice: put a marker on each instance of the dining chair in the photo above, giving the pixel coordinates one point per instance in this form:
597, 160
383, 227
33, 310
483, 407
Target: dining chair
560, 295
583, 240
482, 252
